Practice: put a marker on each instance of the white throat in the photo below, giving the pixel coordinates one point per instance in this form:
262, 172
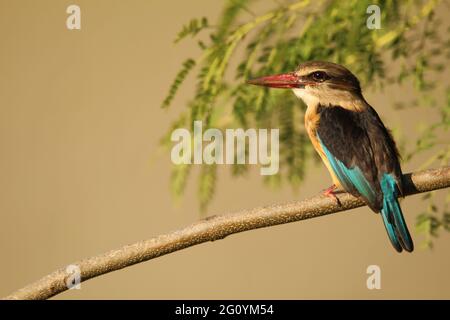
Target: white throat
312, 97
308, 98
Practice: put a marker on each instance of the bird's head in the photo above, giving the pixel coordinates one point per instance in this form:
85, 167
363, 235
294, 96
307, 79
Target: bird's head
316, 82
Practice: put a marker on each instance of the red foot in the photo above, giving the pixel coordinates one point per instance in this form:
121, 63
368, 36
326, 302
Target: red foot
329, 192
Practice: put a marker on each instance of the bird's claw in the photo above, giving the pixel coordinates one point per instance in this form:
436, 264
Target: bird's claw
329, 192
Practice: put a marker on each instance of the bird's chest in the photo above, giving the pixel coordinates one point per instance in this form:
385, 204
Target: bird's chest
312, 118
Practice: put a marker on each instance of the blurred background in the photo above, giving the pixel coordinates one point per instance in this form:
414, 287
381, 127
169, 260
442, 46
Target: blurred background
82, 170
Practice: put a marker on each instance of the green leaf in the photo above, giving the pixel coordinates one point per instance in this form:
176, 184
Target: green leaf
192, 28
181, 76
207, 184
178, 179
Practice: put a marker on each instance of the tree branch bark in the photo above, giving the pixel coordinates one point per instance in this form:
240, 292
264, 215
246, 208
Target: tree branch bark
218, 227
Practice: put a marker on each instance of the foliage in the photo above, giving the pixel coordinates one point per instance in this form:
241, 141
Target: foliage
429, 223
245, 45
192, 28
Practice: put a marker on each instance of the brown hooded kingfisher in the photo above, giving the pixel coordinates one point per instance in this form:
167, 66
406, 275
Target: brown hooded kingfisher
355, 146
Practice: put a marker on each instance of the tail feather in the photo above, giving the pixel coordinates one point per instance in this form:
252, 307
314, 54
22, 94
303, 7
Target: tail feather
393, 217
391, 232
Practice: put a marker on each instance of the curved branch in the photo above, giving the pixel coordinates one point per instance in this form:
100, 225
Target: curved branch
218, 227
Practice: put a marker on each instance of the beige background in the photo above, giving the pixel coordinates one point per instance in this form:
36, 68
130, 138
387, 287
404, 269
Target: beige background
79, 129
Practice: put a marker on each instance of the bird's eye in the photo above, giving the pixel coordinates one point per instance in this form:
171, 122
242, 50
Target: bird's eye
319, 76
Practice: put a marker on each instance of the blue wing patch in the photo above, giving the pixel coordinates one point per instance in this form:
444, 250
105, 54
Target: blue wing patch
350, 178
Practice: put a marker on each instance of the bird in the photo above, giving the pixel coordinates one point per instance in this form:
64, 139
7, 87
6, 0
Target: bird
356, 147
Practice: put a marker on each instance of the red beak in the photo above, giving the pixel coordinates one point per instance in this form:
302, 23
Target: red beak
285, 80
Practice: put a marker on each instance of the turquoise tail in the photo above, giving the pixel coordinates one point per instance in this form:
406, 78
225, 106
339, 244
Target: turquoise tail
393, 216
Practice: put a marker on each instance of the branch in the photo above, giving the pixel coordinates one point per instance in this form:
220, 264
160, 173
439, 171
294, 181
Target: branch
218, 227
